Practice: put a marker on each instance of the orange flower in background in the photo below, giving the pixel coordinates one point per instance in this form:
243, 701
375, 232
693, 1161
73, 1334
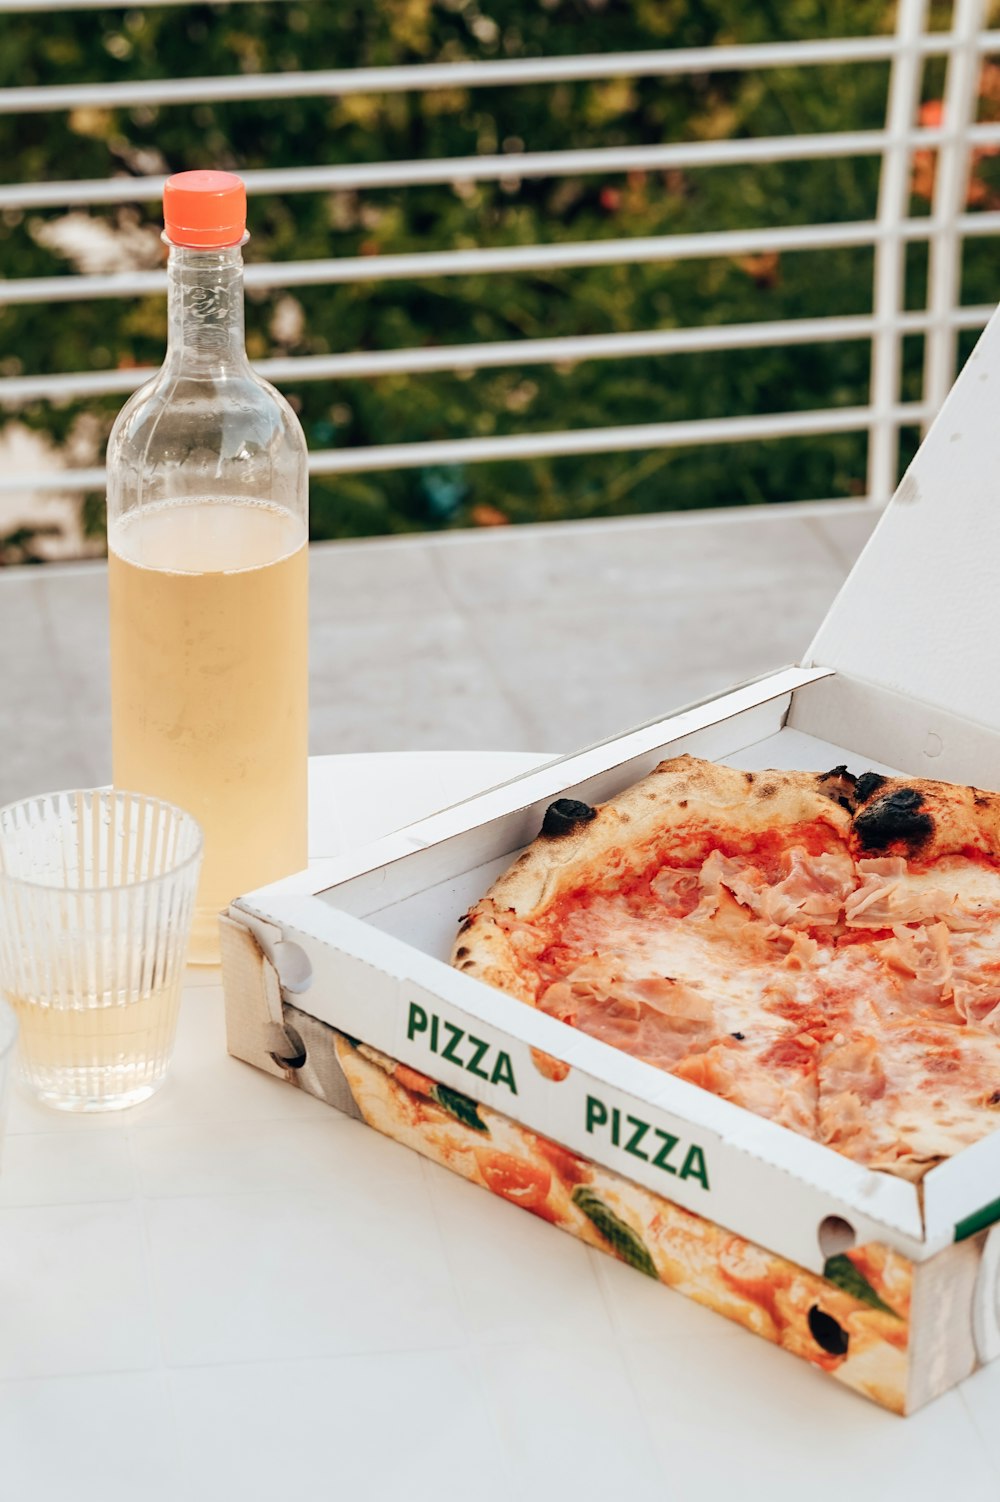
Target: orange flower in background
489, 516
989, 83
763, 270
978, 193
924, 161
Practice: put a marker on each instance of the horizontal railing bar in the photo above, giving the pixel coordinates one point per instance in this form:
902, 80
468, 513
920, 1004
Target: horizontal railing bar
561, 256
54, 7
55, 481
355, 176
602, 440
536, 445
572, 349
443, 170
340, 82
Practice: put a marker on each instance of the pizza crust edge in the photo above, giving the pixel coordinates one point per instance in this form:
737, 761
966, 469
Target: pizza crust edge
617, 835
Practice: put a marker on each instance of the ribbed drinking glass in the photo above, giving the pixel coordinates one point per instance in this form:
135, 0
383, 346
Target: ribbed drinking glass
96, 895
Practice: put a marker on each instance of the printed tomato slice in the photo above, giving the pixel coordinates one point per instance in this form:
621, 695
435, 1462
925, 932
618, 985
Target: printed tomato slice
570, 1168
515, 1179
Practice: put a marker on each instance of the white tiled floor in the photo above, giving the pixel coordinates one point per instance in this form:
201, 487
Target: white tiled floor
234, 1292
106, 1438
76, 1293
767, 1424
372, 1428
515, 1283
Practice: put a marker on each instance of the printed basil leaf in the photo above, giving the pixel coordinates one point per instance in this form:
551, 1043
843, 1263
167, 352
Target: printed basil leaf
841, 1270
460, 1106
629, 1247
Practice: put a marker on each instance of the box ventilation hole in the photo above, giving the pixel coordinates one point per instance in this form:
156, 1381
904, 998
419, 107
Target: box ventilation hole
297, 1055
836, 1235
293, 965
827, 1333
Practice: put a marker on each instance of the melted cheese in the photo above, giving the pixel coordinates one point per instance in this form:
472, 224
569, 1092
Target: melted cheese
882, 1047
682, 950
970, 883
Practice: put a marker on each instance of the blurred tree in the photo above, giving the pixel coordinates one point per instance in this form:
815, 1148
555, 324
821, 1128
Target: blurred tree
206, 39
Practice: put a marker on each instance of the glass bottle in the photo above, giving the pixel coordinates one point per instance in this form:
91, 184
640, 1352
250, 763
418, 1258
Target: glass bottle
208, 547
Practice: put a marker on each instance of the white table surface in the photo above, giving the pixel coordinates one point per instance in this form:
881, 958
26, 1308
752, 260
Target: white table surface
234, 1292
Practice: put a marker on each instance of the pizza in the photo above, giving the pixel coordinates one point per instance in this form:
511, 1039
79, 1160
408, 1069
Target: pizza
852, 1321
822, 950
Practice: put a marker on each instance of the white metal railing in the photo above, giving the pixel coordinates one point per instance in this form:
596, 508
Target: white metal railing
944, 230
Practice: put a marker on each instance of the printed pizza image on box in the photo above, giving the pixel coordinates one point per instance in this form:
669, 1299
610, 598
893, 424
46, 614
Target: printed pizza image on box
852, 1320
720, 996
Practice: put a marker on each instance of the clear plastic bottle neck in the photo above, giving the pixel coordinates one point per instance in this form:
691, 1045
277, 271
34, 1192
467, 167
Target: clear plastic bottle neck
205, 333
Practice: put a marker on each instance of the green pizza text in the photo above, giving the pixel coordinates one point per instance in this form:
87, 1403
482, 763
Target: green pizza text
459, 1047
641, 1140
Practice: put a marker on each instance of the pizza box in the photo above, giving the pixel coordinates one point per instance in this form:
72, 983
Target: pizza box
337, 980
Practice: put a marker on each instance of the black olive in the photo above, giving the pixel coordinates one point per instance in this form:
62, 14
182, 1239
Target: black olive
565, 814
826, 1332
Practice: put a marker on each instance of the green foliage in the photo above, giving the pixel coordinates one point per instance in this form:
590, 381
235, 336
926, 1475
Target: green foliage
206, 40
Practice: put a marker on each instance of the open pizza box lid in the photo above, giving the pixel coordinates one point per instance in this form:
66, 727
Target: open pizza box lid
920, 611
919, 616
904, 661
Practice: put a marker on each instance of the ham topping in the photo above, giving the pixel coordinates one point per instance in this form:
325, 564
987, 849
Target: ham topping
811, 895
804, 997
885, 899
923, 957
652, 1017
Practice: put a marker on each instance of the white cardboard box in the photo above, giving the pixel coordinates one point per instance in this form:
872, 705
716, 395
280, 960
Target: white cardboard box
892, 1286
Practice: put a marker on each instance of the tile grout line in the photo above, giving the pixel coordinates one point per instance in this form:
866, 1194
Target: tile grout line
827, 542
152, 1292
81, 722
525, 722
844, 559
987, 1453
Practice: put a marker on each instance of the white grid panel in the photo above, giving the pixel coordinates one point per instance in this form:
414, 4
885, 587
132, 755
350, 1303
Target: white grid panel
945, 229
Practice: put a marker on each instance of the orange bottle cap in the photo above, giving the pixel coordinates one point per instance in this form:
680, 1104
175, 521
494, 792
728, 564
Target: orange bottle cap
204, 210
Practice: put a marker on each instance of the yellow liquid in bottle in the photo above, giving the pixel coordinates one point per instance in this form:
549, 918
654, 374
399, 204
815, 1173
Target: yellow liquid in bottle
209, 648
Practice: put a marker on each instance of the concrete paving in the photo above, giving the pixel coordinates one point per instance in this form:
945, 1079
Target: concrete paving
531, 638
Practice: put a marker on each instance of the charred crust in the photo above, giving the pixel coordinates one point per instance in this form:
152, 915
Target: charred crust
461, 952
465, 925
682, 803
565, 815
981, 800
898, 818
748, 776
767, 791
867, 785
839, 786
